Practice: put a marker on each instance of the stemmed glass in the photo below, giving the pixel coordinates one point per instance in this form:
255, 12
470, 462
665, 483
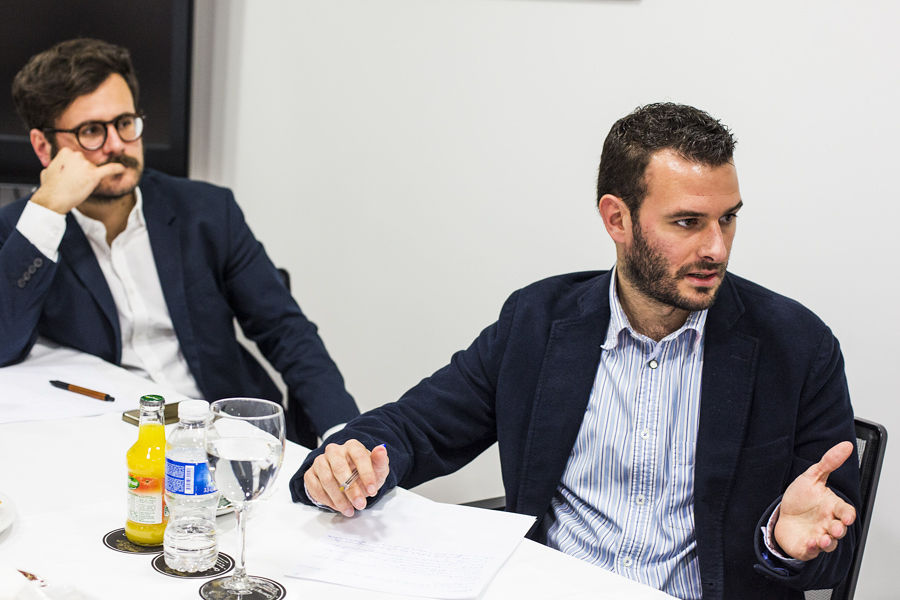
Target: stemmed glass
244, 447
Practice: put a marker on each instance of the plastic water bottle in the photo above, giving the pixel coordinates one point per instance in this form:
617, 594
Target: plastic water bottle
189, 543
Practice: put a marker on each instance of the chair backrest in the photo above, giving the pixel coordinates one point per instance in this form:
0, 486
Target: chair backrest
871, 439
285, 277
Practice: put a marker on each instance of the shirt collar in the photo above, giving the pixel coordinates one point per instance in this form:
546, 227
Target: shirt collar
618, 322
96, 230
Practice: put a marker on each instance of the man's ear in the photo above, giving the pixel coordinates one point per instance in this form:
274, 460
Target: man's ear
42, 146
616, 217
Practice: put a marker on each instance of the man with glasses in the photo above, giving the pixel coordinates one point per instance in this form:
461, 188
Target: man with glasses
139, 268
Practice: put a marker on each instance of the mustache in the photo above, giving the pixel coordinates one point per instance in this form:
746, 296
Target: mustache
718, 267
125, 160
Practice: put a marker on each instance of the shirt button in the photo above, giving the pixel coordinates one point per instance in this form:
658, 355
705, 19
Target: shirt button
653, 363
645, 433
639, 499
627, 561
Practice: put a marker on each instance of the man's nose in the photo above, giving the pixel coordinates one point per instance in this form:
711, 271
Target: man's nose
113, 143
714, 246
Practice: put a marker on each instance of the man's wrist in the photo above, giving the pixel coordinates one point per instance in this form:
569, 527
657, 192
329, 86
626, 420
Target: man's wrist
43, 227
776, 551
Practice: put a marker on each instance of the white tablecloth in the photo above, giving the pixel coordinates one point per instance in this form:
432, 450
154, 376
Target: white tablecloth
66, 478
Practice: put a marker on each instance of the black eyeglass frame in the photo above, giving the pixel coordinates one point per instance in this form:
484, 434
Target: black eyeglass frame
138, 118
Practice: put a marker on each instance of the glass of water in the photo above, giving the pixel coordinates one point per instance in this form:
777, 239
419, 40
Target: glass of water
244, 447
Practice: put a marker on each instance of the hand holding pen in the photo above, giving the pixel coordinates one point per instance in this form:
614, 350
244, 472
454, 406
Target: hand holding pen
345, 475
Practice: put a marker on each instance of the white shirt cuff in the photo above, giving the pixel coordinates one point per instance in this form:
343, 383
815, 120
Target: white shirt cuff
332, 430
769, 539
43, 227
322, 506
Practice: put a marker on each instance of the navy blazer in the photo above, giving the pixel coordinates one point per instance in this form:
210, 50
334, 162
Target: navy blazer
774, 398
212, 270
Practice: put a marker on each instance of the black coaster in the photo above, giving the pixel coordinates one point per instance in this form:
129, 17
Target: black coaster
116, 540
224, 563
269, 590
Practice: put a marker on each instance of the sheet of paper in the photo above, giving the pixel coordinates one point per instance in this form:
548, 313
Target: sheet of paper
26, 393
413, 546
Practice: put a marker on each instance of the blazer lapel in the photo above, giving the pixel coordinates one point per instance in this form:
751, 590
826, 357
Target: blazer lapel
567, 375
729, 366
166, 245
76, 252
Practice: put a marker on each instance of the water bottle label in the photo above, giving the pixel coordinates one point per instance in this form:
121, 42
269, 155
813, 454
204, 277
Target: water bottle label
188, 479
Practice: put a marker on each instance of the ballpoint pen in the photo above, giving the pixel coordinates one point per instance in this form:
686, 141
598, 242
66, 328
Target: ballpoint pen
84, 391
354, 474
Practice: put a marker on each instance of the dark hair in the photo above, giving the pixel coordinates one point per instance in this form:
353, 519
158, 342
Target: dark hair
52, 80
634, 139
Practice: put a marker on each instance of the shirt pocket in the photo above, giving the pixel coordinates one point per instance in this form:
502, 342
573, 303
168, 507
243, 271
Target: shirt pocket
680, 491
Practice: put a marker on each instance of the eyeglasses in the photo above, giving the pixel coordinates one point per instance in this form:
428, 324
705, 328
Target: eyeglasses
91, 135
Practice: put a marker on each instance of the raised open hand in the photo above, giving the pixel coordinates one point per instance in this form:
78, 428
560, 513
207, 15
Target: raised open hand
813, 518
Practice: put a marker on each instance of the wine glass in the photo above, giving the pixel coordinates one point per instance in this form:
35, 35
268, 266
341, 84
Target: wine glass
244, 447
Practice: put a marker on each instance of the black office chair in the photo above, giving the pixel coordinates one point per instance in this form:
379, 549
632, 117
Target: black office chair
285, 277
871, 439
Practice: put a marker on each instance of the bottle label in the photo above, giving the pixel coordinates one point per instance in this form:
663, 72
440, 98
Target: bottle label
146, 504
188, 479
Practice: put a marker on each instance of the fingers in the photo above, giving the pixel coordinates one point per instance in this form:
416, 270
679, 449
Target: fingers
326, 480
844, 512
70, 178
380, 463
830, 461
109, 169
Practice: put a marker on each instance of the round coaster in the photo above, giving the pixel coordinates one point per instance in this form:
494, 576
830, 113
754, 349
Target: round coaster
116, 540
267, 590
224, 563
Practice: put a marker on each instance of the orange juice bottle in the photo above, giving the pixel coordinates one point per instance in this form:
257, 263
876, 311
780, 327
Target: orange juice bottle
146, 521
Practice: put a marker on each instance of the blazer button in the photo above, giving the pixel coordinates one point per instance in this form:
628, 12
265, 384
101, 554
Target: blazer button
38, 262
21, 283
32, 269
26, 276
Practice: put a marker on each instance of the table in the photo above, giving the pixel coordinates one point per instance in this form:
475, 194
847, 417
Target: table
66, 478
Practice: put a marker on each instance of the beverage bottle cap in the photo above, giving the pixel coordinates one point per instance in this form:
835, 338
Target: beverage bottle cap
194, 410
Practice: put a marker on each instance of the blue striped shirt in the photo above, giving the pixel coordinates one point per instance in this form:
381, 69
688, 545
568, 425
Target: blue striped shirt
626, 498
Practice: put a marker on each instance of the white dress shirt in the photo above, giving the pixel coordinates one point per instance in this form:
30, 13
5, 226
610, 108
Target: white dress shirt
149, 344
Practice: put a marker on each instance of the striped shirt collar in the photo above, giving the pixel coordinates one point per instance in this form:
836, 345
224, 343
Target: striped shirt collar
618, 322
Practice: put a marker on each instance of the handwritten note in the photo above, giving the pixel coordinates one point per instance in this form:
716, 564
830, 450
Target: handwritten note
410, 545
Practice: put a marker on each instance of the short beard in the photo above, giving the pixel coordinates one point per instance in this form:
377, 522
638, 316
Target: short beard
648, 270
101, 197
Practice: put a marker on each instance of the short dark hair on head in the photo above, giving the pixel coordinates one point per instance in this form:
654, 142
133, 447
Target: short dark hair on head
634, 139
51, 80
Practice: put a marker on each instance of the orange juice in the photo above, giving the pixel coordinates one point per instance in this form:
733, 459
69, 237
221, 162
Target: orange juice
146, 520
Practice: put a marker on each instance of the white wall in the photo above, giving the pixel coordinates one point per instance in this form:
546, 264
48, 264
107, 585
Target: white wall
414, 161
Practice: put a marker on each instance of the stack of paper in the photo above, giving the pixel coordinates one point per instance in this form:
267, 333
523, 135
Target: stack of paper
410, 545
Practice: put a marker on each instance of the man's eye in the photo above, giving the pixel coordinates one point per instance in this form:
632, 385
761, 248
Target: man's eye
91, 130
728, 219
686, 223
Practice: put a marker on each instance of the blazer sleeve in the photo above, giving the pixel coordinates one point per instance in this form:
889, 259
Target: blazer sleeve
26, 279
269, 315
825, 418
439, 425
